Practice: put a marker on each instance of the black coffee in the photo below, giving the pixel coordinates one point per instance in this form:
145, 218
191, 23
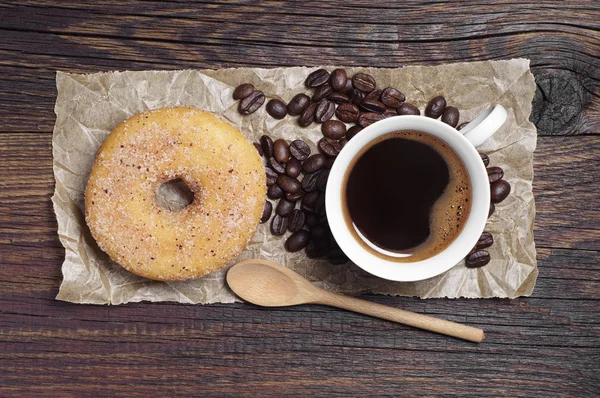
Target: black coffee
407, 193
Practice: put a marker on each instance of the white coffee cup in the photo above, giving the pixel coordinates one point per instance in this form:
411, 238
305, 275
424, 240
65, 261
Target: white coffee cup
463, 142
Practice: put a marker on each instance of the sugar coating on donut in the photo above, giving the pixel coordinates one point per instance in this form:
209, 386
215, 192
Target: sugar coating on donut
219, 165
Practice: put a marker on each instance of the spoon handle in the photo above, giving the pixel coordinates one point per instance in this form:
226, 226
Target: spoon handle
401, 316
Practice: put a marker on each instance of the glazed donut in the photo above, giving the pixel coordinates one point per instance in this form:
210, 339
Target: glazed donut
218, 164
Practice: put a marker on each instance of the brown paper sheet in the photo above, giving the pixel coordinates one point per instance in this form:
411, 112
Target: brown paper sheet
88, 107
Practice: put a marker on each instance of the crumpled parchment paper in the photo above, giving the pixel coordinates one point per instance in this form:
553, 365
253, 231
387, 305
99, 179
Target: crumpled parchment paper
89, 106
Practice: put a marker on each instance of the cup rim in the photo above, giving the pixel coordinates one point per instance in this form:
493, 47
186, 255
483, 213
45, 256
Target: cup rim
457, 250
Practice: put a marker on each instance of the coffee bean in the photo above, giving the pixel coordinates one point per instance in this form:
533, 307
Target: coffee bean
319, 232
275, 192
308, 116
485, 159
435, 107
477, 259
333, 129
311, 220
297, 241
298, 104
293, 197
462, 126
317, 248
371, 105
343, 142
491, 211
276, 108
392, 97
267, 210
347, 113
288, 184
251, 103
285, 207
299, 150
348, 87
317, 78
352, 131
293, 168
368, 118
242, 91
357, 96
275, 165
320, 204
485, 240
373, 95
329, 163
271, 176
495, 173
499, 190
450, 116
267, 145
281, 151
322, 180
329, 147
338, 98
258, 148
313, 163
321, 92
336, 257
338, 79
389, 113
297, 220
309, 182
364, 82
323, 221
408, 109
325, 110
279, 225
309, 200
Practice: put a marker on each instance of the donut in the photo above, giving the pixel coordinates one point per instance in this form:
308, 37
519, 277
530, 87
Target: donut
217, 163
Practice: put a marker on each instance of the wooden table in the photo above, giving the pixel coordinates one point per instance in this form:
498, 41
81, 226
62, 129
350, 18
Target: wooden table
545, 345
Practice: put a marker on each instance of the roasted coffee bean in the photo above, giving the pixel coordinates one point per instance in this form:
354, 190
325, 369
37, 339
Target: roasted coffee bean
477, 259
461, 126
343, 142
338, 79
499, 190
329, 147
325, 110
281, 151
251, 103
357, 96
485, 240
298, 104
285, 207
371, 105
320, 204
317, 248
311, 220
485, 159
338, 98
317, 78
329, 163
348, 87
309, 182
352, 131
258, 148
321, 92
319, 232
293, 197
308, 116
322, 180
279, 225
373, 95
276, 108
435, 107
450, 116
309, 200
271, 176
323, 221
336, 257
389, 113
364, 82
299, 150
368, 118
313, 163
242, 91
392, 97
275, 165
408, 109
492, 209
297, 220
347, 113
267, 145
293, 168
494, 173
267, 210
297, 241
333, 129
288, 184
275, 192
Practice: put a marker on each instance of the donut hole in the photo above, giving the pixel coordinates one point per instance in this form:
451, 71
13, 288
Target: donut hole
174, 195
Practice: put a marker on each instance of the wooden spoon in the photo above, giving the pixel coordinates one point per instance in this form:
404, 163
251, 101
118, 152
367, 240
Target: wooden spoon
269, 284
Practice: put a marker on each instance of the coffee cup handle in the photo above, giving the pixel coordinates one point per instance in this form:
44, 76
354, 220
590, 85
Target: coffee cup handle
485, 125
